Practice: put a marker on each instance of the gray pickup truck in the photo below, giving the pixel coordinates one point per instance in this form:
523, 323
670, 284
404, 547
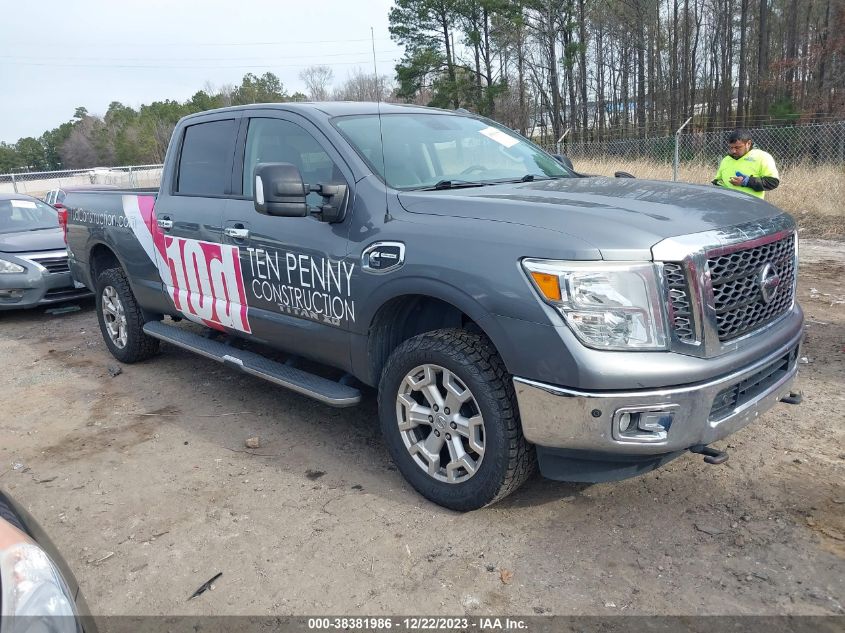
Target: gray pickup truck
509, 311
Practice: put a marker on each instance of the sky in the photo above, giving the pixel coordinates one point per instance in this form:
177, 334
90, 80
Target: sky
58, 55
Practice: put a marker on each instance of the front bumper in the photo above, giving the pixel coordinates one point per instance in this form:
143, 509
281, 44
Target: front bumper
36, 286
557, 417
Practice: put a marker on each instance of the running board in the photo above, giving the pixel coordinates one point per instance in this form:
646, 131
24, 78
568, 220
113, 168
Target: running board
327, 391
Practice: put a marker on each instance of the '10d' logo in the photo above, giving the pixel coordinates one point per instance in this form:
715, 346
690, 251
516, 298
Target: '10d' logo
206, 282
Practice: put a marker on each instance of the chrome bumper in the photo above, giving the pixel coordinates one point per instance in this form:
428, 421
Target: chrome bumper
557, 417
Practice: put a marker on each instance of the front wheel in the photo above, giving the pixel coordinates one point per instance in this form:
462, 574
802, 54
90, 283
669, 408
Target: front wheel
449, 417
121, 320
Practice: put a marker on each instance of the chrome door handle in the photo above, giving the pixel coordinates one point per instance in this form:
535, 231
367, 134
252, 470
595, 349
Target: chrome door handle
238, 234
165, 224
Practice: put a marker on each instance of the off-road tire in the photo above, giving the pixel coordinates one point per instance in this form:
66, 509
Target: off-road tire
139, 346
509, 460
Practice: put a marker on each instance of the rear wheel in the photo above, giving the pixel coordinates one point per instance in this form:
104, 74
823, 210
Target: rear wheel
450, 420
121, 320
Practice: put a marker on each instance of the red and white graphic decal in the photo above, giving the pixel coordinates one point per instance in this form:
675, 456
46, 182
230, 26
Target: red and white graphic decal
207, 282
203, 279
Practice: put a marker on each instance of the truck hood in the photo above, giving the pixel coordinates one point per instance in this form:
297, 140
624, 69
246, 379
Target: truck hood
32, 241
621, 217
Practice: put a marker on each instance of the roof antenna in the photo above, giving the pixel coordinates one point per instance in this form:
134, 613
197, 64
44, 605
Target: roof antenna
387, 217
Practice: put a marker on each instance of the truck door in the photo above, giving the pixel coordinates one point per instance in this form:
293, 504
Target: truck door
200, 275
296, 270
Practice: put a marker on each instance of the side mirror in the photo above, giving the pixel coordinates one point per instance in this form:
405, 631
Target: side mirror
623, 174
564, 160
279, 190
333, 208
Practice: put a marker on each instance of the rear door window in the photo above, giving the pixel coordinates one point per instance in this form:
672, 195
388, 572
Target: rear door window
205, 165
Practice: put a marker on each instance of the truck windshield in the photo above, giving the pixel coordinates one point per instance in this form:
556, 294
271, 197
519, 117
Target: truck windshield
429, 150
26, 215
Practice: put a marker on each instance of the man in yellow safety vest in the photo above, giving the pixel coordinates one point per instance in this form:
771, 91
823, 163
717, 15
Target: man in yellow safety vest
746, 168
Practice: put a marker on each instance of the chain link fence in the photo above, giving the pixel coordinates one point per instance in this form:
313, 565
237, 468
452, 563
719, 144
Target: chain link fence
791, 146
38, 184
821, 144
810, 159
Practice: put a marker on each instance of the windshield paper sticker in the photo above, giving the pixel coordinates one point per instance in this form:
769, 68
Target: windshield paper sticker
316, 288
500, 137
23, 204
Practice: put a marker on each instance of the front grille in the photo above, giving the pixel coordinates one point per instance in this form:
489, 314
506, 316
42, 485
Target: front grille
53, 264
679, 301
735, 278
730, 398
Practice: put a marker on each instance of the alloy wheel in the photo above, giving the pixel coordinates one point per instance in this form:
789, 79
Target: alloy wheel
114, 317
440, 423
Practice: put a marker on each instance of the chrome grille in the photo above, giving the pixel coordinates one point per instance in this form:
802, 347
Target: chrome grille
713, 283
735, 279
680, 313
53, 264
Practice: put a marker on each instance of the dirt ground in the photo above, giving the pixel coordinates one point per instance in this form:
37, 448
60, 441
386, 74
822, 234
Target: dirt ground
143, 481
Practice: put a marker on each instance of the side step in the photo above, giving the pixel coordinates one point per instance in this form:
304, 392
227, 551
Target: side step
327, 391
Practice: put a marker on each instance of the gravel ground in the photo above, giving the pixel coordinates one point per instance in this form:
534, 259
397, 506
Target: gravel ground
144, 482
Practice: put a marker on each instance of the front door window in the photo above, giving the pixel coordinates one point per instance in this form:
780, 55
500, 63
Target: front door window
279, 141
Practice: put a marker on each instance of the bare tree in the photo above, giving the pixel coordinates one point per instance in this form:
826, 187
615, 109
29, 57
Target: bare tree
79, 150
226, 94
362, 86
317, 80
740, 99
761, 100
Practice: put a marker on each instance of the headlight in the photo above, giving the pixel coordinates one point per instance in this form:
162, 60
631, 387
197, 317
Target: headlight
608, 305
35, 597
10, 267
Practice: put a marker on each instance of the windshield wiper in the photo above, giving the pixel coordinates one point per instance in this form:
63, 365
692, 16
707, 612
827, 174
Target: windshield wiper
452, 184
530, 178
525, 178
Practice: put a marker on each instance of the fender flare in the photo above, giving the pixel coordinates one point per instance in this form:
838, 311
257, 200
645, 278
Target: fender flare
435, 289
91, 246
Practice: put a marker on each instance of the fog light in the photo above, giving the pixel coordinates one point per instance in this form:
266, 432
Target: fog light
643, 424
655, 421
12, 294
